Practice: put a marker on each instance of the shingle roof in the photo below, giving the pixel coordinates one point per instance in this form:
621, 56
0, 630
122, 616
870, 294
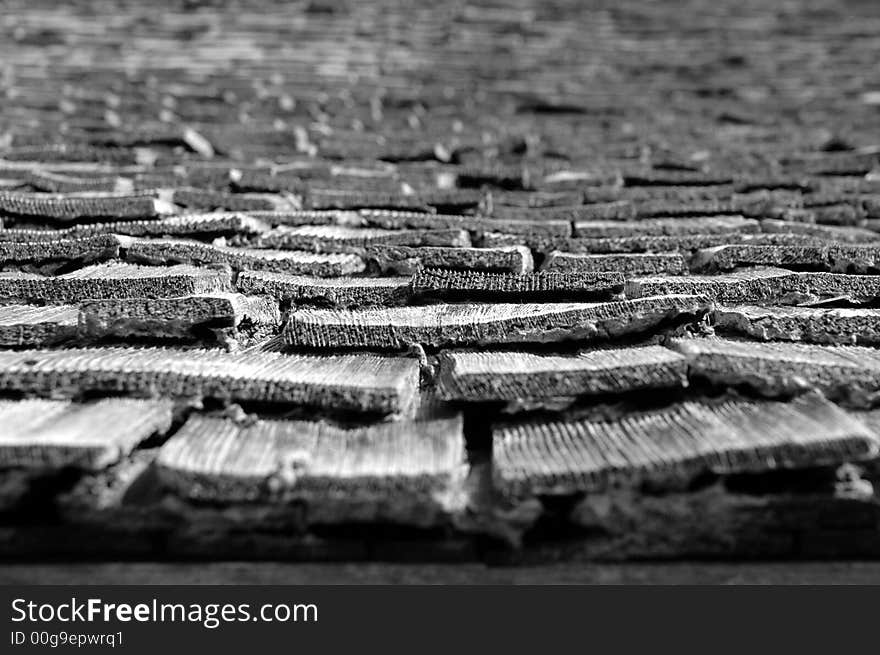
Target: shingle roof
406, 279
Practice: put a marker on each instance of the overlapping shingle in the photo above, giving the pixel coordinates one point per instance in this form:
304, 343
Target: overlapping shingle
540, 286
846, 372
53, 434
29, 325
184, 317
167, 251
113, 280
406, 259
338, 291
365, 383
470, 324
628, 264
338, 238
520, 376
404, 471
675, 444
72, 207
841, 326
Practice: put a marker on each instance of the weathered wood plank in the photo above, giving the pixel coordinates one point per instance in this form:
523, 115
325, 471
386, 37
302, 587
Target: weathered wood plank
628, 264
27, 325
76, 249
827, 232
341, 291
69, 207
167, 251
50, 434
114, 280
741, 286
406, 260
826, 257
674, 444
750, 285
210, 224
408, 472
180, 318
848, 373
834, 326
667, 227
396, 220
339, 238
209, 199
618, 210
518, 376
358, 199
541, 286
339, 382
471, 324
638, 243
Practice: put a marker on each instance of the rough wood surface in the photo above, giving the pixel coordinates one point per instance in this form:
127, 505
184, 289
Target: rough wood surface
167, 251
628, 264
346, 382
848, 373
179, 318
209, 224
298, 151
406, 260
637, 243
674, 444
748, 285
338, 238
53, 434
666, 227
471, 324
72, 207
518, 376
403, 471
81, 249
477, 285
834, 257
113, 280
834, 326
341, 291
31, 326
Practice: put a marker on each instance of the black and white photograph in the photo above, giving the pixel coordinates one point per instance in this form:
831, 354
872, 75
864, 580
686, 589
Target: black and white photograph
484, 292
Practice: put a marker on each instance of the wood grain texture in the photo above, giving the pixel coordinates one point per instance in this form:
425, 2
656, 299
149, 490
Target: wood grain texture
406, 260
75, 249
341, 291
762, 284
181, 317
477, 285
342, 239
518, 376
675, 443
666, 227
408, 472
33, 326
113, 280
469, 324
206, 224
825, 257
345, 382
168, 251
847, 373
832, 326
638, 243
51, 434
64, 207
630, 265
